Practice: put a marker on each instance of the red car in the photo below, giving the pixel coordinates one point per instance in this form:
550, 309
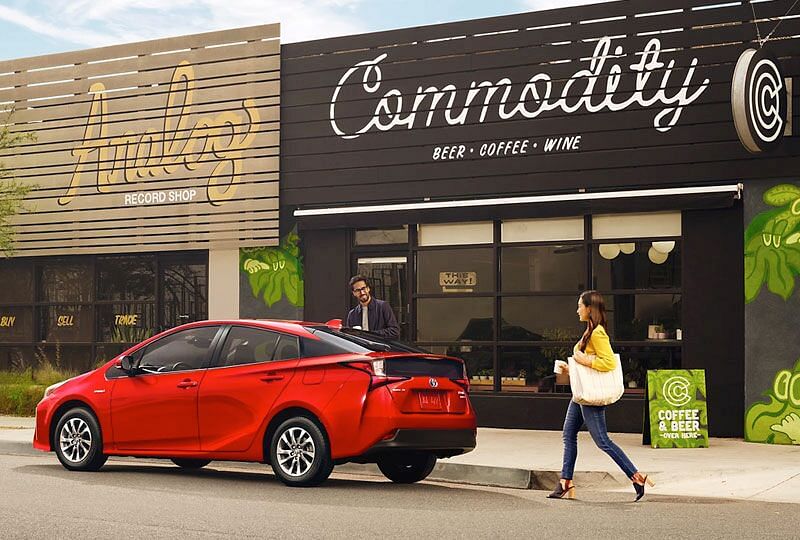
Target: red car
302, 397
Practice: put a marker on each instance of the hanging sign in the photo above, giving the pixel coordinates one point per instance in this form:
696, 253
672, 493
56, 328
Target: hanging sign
758, 99
676, 400
458, 281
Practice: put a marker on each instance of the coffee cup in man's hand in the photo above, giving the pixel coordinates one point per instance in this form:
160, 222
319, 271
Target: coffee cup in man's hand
559, 366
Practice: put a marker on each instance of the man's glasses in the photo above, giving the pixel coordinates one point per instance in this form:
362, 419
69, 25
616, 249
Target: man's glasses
361, 289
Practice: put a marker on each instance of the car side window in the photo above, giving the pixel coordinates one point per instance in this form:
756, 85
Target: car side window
182, 351
246, 345
288, 348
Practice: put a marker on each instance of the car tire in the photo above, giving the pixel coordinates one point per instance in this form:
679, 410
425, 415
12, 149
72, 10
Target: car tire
407, 468
78, 442
190, 463
299, 453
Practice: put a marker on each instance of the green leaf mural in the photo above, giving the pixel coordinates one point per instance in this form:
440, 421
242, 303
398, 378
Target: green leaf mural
778, 420
772, 245
275, 272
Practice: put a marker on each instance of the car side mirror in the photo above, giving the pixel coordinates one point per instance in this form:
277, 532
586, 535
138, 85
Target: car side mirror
125, 364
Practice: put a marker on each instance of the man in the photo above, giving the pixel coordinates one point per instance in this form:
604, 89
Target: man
371, 314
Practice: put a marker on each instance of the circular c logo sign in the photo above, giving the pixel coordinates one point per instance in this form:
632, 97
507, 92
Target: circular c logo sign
758, 99
676, 391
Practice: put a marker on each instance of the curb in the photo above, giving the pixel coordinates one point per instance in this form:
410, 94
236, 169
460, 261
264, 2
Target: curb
454, 473
505, 477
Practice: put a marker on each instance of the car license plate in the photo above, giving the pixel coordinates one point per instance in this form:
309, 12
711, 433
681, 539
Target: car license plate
430, 400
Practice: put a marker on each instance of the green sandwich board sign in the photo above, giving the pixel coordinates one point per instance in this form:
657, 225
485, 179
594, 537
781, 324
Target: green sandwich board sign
676, 401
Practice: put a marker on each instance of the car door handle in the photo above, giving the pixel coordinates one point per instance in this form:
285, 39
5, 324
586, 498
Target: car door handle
187, 383
272, 377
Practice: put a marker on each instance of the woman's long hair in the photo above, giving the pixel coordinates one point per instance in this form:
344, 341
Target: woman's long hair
593, 300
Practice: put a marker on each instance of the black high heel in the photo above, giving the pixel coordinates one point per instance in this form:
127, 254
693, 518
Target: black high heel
640, 487
563, 493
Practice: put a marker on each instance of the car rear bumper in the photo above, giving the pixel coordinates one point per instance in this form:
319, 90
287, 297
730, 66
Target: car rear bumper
443, 442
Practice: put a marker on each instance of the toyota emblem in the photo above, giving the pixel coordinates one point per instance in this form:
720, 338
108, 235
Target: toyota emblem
433, 382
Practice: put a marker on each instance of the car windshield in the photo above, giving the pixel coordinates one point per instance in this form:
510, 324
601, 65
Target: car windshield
360, 341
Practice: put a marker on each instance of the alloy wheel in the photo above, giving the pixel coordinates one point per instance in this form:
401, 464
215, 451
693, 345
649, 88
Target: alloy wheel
296, 451
75, 440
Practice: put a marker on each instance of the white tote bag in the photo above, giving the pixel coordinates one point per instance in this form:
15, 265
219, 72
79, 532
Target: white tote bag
592, 387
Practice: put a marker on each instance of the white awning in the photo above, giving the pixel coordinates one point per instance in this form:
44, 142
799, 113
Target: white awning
734, 189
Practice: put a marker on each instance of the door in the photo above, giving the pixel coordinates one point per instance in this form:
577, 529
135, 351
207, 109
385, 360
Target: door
183, 289
255, 365
156, 410
388, 280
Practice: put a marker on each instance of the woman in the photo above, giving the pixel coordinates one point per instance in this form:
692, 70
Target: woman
594, 351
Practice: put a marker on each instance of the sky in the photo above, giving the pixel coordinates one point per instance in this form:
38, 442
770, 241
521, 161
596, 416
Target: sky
35, 27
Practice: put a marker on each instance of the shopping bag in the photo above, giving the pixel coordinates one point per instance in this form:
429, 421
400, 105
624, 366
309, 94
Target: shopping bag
592, 387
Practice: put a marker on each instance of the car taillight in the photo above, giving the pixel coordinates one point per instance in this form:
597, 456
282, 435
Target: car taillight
463, 381
376, 371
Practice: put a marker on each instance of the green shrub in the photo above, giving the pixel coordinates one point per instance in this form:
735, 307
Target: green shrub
20, 391
20, 399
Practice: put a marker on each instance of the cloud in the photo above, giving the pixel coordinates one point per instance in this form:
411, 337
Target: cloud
89, 23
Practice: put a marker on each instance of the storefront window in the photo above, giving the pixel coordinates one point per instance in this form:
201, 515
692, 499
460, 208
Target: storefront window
454, 234
126, 323
636, 360
637, 265
126, 278
469, 270
455, 319
16, 324
530, 368
184, 290
67, 323
17, 280
543, 268
65, 282
539, 318
639, 317
372, 237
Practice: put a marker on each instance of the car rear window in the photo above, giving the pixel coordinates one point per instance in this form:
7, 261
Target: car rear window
424, 367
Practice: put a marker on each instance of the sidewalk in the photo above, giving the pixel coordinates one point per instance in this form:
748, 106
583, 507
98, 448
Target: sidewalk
525, 459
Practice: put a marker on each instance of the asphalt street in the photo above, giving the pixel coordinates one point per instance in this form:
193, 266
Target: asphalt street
153, 499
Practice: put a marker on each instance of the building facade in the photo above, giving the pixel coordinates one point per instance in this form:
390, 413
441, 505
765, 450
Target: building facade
481, 173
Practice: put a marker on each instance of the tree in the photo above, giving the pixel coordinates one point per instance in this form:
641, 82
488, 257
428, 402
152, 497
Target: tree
12, 192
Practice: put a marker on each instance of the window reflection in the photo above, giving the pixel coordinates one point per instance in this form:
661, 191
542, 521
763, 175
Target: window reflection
637, 265
530, 369
17, 280
126, 323
126, 278
543, 268
539, 318
67, 323
455, 319
455, 271
184, 290
630, 316
16, 324
66, 282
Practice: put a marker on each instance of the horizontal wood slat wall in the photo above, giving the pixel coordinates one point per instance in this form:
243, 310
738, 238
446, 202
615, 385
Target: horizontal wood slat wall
170, 144
697, 39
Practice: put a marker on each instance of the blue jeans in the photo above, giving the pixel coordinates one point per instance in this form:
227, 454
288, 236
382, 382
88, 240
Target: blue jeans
595, 418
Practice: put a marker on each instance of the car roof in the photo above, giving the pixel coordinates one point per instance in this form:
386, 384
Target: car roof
297, 328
